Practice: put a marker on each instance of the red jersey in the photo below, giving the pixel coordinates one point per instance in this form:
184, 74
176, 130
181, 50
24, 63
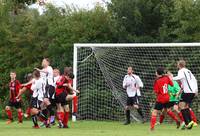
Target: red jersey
161, 89
14, 90
28, 87
70, 82
59, 85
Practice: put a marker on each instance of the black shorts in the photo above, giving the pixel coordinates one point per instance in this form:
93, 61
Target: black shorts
61, 98
160, 106
171, 104
50, 93
132, 101
16, 105
35, 103
187, 97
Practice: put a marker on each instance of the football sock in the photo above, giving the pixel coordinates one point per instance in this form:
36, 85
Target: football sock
172, 115
9, 114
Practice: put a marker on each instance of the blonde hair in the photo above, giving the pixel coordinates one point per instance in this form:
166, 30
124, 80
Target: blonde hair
182, 63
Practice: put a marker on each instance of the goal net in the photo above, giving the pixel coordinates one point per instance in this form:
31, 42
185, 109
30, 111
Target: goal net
100, 69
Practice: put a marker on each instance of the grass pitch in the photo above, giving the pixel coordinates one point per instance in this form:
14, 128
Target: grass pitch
95, 128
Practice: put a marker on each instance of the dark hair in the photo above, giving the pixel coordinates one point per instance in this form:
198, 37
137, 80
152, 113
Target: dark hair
71, 75
36, 73
160, 71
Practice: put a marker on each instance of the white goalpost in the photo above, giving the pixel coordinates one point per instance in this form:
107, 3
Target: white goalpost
99, 70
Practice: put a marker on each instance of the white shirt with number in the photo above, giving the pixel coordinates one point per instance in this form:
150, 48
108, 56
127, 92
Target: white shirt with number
47, 75
188, 80
132, 83
38, 88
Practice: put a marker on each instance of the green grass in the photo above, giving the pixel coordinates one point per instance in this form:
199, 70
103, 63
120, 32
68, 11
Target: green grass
95, 128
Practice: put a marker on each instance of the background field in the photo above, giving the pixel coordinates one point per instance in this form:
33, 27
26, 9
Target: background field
93, 128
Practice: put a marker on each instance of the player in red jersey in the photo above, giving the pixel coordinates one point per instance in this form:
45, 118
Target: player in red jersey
161, 90
27, 87
72, 95
62, 85
14, 86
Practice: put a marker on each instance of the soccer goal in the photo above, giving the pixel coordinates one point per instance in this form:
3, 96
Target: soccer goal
100, 68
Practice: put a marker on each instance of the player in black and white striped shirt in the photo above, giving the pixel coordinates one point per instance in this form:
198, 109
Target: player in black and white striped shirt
190, 88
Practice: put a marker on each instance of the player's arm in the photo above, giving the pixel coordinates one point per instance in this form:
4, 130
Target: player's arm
43, 71
30, 82
179, 76
69, 86
139, 82
21, 91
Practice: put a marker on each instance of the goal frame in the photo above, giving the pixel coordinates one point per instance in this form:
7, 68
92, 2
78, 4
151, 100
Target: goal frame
79, 45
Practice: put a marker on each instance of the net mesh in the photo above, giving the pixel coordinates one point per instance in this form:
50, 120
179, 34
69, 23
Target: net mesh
101, 70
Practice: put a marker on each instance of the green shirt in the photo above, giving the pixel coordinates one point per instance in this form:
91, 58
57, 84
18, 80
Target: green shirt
173, 90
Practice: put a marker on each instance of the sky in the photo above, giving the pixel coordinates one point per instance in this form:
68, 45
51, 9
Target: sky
87, 4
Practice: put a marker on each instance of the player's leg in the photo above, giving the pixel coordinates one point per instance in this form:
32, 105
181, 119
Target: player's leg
50, 102
139, 109
129, 104
66, 118
172, 114
19, 111
34, 112
193, 116
158, 107
186, 99
162, 115
60, 110
9, 113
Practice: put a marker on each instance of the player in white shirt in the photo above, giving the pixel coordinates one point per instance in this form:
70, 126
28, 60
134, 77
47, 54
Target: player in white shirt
132, 83
49, 97
190, 88
56, 76
38, 88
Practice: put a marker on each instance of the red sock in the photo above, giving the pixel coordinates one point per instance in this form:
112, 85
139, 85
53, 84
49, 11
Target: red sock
181, 116
194, 118
20, 116
61, 116
75, 104
172, 115
9, 114
153, 121
28, 111
161, 118
66, 118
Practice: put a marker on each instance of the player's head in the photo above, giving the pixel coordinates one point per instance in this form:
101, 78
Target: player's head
13, 75
181, 64
36, 74
56, 72
45, 62
29, 77
170, 75
130, 70
160, 71
68, 70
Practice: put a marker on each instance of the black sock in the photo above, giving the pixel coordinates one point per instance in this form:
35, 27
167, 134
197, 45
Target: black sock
42, 115
50, 109
185, 116
128, 116
188, 114
34, 119
140, 112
